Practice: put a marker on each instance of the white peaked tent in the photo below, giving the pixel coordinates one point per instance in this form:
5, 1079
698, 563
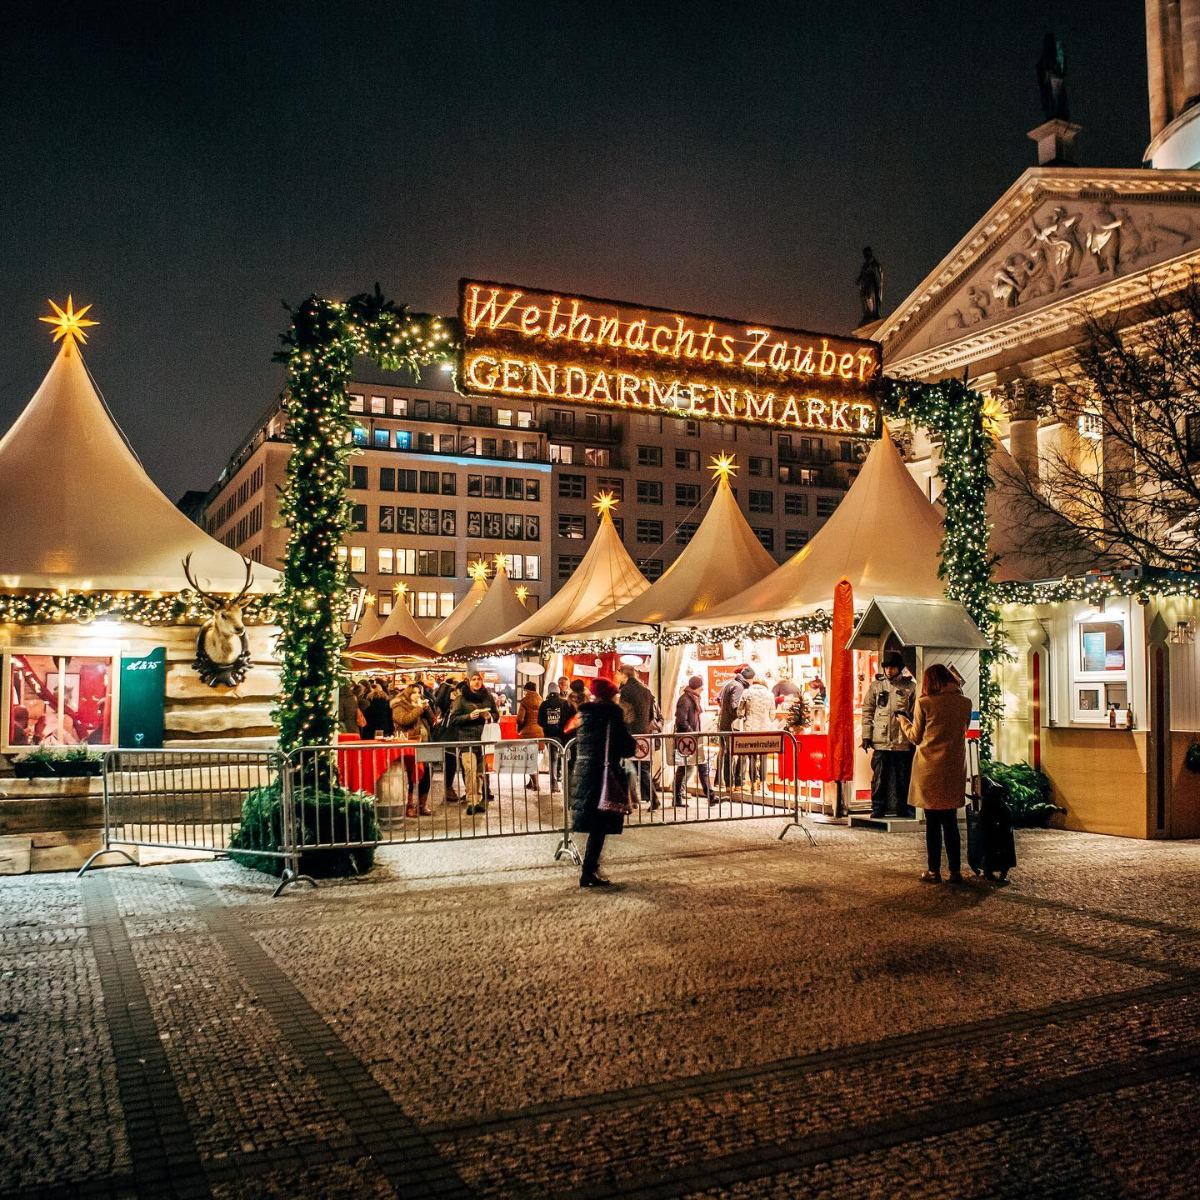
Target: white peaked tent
442, 632
398, 636
723, 557
497, 612
368, 628
885, 537
80, 512
606, 580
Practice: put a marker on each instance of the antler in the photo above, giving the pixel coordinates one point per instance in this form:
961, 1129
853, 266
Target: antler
187, 574
249, 581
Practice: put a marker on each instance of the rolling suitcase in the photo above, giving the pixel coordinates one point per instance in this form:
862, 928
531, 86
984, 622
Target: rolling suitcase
991, 849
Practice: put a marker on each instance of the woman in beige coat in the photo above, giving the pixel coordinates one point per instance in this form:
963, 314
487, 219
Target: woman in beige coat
939, 774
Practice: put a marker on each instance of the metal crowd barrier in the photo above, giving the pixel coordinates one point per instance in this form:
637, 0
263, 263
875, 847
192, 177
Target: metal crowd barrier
193, 800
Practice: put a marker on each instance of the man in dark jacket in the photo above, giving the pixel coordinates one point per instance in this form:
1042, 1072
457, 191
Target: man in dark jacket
729, 769
473, 708
553, 716
443, 700
637, 704
689, 710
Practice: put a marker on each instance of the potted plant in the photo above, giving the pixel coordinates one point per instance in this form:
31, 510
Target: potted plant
67, 762
1027, 791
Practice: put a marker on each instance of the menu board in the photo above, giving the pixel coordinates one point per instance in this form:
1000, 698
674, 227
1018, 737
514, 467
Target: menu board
718, 677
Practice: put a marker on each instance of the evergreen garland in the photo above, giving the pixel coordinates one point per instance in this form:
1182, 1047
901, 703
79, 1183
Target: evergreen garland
954, 414
321, 344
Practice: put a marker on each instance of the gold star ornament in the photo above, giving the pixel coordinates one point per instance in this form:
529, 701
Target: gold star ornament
605, 502
723, 466
479, 569
69, 324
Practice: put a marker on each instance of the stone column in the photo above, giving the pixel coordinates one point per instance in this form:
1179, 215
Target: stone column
1189, 21
1021, 401
1156, 65
1174, 46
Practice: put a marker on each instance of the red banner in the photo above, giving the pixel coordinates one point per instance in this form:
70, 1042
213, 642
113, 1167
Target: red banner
841, 685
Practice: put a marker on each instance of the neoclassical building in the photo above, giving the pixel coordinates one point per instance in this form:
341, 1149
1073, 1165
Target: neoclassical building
1005, 308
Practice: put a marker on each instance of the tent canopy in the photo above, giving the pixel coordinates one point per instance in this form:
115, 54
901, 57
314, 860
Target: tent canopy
441, 633
497, 612
723, 557
606, 580
82, 513
943, 624
398, 637
885, 537
368, 628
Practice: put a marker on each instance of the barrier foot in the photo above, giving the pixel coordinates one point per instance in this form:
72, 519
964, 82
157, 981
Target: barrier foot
566, 846
794, 824
107, 850
289, 877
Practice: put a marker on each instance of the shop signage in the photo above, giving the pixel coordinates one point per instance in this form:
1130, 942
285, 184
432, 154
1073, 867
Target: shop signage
757, 743
711, 653
718, 677
143, 700
554, 346
516, 758
792, 645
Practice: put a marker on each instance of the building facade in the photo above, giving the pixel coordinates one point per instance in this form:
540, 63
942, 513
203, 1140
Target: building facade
443, 480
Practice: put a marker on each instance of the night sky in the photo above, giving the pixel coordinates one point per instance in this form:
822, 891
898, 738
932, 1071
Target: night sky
187, 167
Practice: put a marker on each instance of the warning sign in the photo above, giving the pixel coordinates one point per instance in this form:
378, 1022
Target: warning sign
757, 743
685, 746
643, 751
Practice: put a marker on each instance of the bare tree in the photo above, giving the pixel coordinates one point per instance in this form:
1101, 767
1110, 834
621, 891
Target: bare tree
1119, 484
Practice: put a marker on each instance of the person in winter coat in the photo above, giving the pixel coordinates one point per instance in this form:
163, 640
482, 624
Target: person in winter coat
689, 714
410, 715
378, 714
729, 770
939, 777
601, 725
528, 725
637, 704
890, 697
472, 709
443, 700
756, 709
350, 716
553, 716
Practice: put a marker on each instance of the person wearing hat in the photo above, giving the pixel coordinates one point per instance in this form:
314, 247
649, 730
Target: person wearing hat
689, 711
553, 716
729, 769
891, 696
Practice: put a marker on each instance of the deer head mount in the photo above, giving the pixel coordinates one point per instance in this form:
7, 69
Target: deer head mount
222, 648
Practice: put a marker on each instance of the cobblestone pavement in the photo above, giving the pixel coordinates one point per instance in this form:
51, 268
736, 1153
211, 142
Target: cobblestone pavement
744, 1018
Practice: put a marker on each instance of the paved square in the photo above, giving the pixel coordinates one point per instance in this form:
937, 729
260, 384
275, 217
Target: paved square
743, 1018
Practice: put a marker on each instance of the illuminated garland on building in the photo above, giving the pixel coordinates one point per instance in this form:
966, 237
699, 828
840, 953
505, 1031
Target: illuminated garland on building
1094, 588
817, 622
82, 608
954, 414
324, 337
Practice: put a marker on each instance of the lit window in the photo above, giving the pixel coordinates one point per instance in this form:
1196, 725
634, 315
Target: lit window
445, 603
1100, 663
356, 402
595, 456
378, 404
341, 556
387, 559
385, 603
1091, 426
524, 419
359, 436
426, 604
561, 454
399, 406
571, 526
504, 417
358, 558
533, 566
59, 700
383, 439
403, 439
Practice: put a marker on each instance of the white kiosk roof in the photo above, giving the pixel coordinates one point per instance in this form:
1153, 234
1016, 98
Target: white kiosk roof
441, 633
495, 614
399, 636
82, 513
885, 537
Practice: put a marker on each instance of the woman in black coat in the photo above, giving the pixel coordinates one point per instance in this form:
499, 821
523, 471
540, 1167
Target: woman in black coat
379, 715
600, 721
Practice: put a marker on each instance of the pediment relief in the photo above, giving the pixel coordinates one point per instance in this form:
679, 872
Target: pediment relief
1061, 248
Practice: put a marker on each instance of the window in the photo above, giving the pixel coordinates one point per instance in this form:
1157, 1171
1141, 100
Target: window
383, 439
767, 537
449, 483
533, 566
431, 482
474, 524
378, 404
449, 523
406, 562
652, 568
685, 531
572, 487
399, 406
387, 479
358, 477
647, 423
1091, 426
356, 402
446, 443
568, 564
826, 505
1100, 664
649, 456
385, 603
406, 481
687, 495
466, 444
425, 443
571, 526
493, 525
387, 561
804, 476
504, 417
58, 700
428, 562
649, 533
358, 558
533, 489
795, 539
403, 439
529, 450
618, 525
760, 468
358, 518
687, 460
691, 428
795, 504
421, 409
649, 491
446, 564
474, 485
595, 456
514, 489
492, 486
426, 605
1191, 433
463, 414
359, 435
341, 556
561, 454
429, 521
533, 529
562, 421
614, 485
406, 520
514, 526
524, 419
762, 502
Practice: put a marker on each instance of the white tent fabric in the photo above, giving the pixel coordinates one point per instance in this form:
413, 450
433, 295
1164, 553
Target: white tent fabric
885, 537
368, 628
81, 512
441, 633
606, 580
397, 636
497, 612
723, 558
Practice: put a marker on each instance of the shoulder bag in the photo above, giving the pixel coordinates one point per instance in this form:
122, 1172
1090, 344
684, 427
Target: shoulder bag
614, 789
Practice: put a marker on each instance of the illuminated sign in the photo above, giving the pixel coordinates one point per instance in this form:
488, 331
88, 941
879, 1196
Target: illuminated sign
551, 346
